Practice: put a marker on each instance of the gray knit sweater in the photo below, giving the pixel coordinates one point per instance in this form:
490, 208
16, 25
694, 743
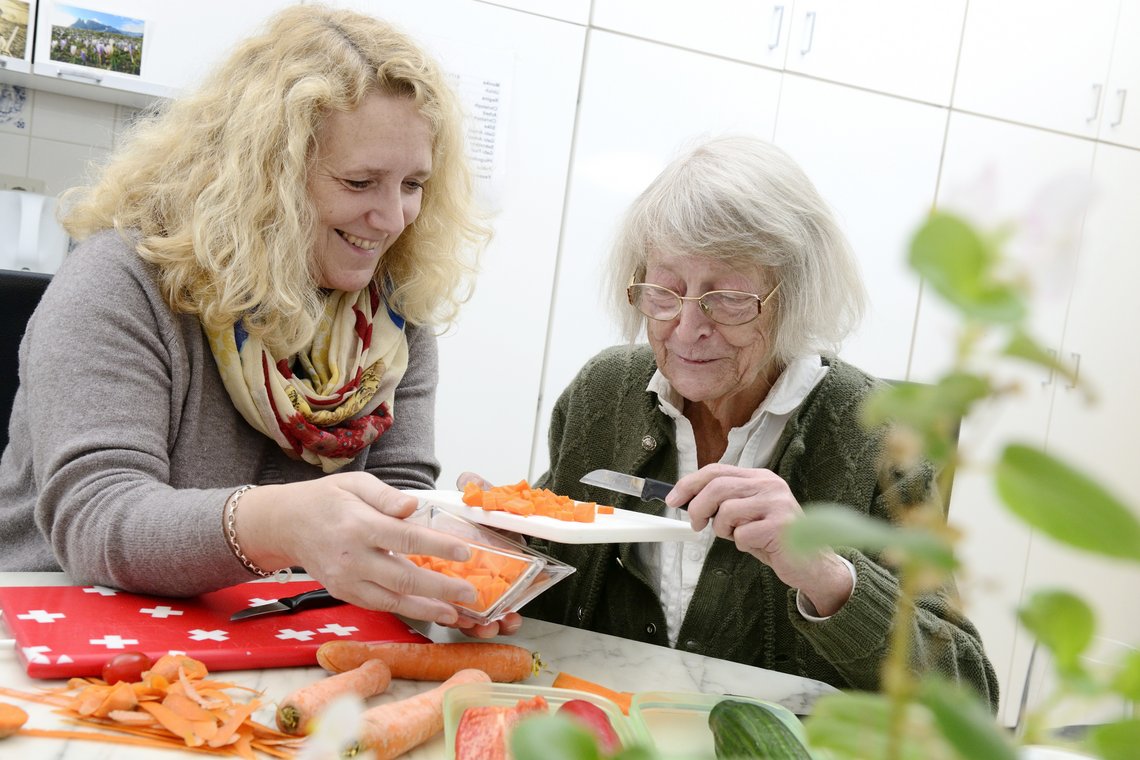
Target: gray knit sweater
124, 443
740, 610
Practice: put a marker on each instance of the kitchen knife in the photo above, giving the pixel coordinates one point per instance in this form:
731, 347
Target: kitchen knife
308, 600
644, 488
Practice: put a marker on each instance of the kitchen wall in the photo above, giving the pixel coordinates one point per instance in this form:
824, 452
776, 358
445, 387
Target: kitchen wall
51, 138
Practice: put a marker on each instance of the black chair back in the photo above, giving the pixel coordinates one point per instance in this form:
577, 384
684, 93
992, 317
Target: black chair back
20, 292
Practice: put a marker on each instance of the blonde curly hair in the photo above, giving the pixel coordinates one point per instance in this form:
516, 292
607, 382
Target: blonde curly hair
214, 185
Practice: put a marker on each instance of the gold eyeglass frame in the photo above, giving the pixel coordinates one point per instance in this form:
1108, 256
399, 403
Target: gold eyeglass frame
760, 302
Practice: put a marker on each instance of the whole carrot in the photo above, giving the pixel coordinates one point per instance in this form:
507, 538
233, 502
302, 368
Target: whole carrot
393, 728
296, 711
504, 663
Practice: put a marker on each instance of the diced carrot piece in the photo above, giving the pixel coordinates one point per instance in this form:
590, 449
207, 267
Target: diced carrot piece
519, 507
473, 494
605, 510
584, 512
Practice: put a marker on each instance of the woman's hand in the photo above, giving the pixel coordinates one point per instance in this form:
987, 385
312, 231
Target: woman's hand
504, 626
345, 530
751, 507
512, 621
470, 477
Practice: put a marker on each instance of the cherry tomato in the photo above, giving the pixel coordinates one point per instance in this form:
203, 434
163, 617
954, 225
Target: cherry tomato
126, 666
594, 718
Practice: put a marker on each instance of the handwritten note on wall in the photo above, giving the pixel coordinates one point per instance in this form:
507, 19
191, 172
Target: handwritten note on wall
483, 78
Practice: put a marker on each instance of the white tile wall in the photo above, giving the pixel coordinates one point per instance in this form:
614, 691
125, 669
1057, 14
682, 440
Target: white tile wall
55, 137
13, 154
73, 120
61, 164
15, 110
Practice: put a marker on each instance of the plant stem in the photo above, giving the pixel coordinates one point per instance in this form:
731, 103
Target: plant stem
898, 681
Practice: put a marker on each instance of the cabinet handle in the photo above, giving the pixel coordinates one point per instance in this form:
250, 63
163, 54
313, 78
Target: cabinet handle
809, 32
1096, 90
1076, 371
1120, 95
80, 75
1049, 380
777, 26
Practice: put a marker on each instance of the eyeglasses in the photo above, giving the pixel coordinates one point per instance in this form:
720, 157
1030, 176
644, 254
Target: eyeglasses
725, 307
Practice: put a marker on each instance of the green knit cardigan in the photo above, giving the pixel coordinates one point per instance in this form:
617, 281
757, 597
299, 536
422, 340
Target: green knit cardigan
740, 610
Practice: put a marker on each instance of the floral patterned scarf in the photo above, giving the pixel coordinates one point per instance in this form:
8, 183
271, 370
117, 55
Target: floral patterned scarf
328, 402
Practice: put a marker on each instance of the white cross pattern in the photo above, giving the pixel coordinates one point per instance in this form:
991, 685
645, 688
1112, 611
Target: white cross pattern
41, 616
64, 660
285, 634
161, 611
36, 655
337, 629
257, 600
100, 590
199, 634
113, 641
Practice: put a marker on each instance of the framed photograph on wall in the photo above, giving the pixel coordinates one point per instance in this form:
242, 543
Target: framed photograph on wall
99, 40
14, 16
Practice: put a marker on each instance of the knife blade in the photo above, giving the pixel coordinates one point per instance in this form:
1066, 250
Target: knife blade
644, 488
308, 600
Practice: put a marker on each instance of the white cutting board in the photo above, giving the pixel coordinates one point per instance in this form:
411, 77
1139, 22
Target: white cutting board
623, 526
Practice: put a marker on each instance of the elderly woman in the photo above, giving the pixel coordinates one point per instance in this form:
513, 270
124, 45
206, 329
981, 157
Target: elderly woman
242, 345
744, 283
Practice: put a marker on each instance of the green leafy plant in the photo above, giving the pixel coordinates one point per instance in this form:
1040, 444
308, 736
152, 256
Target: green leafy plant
965, 268
930, 718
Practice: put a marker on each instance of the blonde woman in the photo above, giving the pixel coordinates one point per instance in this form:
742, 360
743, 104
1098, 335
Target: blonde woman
234, 371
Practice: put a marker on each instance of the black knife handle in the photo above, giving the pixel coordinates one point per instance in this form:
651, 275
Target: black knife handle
657, 489
310, 600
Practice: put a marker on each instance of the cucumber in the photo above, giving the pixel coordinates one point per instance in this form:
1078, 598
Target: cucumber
748, 730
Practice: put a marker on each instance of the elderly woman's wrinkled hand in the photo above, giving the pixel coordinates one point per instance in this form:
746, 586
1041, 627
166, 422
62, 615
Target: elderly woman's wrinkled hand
751, 508
348, 531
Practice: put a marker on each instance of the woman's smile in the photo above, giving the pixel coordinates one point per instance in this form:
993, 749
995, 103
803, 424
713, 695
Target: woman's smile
369, 246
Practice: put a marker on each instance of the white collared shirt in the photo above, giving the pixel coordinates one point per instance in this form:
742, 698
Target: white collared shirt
676, 566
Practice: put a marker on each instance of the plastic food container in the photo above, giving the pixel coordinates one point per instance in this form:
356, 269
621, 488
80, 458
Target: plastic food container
677, 723
509, 574
459, 698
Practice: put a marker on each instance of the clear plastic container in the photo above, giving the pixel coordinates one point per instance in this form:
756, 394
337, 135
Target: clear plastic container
677, 723
520, 573
458, 698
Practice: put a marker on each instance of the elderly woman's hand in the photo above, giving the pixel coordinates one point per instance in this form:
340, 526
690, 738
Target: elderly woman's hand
751, 507
346, 530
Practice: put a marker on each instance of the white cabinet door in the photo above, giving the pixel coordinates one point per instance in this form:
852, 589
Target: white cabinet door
874, 158
1098, 436
756, 32
642, 103
995, 171
577, 11
1121, 120
1040, 62
901, 47
178, 44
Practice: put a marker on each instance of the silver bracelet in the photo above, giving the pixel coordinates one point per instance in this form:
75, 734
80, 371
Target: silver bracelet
229, 524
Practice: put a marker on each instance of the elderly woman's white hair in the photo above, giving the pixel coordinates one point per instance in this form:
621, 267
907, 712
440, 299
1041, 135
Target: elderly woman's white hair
744, 200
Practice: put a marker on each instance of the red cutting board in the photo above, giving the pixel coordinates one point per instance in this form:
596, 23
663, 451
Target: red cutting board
65, 631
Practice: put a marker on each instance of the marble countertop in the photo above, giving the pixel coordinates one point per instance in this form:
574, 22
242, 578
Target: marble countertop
618, 663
